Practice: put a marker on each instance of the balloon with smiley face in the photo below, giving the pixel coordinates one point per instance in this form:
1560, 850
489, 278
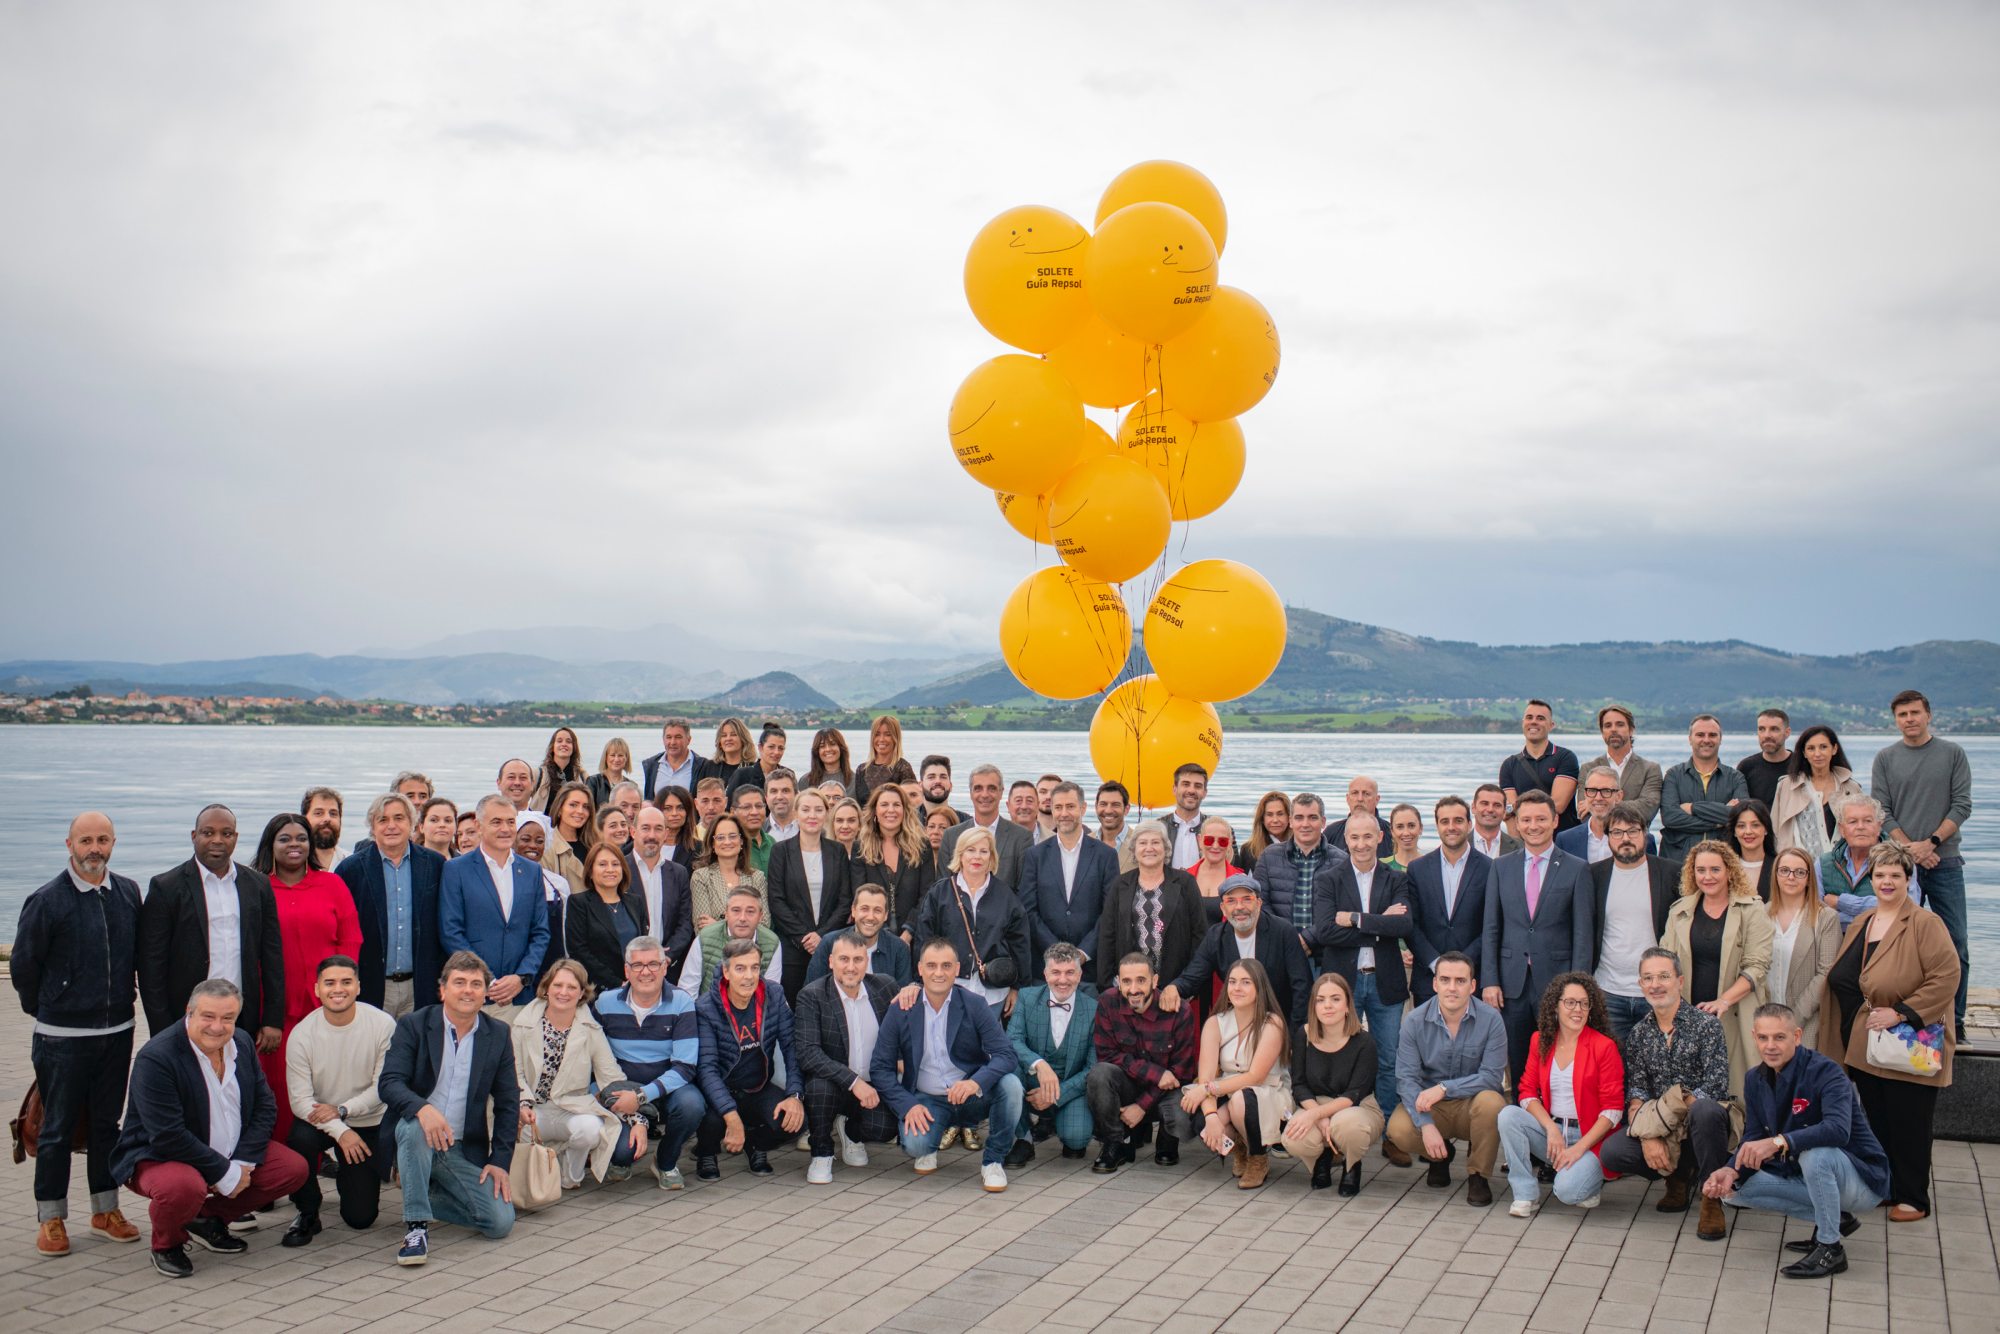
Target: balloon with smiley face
1225, 365
1151, 271
1024, 277
1016, 425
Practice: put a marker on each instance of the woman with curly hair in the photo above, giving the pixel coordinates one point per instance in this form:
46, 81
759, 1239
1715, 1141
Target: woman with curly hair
1721, 933
1572, 1097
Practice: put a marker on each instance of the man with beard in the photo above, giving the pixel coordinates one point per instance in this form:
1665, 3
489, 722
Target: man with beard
1113, 801
936, 779
1634, 890
1490, 838
321, 807
1144, 1055
212, 917
1638, 777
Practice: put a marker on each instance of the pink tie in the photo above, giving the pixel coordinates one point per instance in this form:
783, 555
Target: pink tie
1534, 884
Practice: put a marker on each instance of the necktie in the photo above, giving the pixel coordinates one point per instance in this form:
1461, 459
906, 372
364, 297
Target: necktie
1534, 883
1149, 922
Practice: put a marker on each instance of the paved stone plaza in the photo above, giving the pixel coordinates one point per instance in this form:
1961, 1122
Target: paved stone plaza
1149, 1248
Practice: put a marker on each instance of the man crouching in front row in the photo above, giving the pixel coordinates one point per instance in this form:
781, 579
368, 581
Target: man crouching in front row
446, 1064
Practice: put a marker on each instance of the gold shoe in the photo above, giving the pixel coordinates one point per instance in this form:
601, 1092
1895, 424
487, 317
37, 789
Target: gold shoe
950, 1138
972, 1139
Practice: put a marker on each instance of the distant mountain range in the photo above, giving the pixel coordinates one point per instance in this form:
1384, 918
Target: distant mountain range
1329, 665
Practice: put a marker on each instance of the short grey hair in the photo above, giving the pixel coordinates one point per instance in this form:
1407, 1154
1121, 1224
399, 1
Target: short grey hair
1063, 952
1154, 828
681, 723
492, 799
381, 803
219, 988
1661, 952
643, 945
412, 776
993, 769
1860, 799
622, 786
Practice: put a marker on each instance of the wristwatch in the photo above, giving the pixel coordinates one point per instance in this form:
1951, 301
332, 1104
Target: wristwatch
1936, 842
340, 1112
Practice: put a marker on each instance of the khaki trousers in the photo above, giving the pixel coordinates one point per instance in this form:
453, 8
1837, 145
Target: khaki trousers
1476, 1120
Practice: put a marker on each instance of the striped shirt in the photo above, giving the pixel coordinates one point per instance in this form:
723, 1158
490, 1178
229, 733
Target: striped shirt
658, 1051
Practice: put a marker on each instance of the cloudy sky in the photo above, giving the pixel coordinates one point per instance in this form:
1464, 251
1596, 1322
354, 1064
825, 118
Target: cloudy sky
324, 327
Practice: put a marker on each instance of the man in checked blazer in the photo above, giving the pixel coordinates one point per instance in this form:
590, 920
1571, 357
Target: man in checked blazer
839, 1016
1051, 1031
1539, 923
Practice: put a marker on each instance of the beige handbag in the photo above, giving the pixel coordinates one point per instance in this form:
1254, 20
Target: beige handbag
537, 1175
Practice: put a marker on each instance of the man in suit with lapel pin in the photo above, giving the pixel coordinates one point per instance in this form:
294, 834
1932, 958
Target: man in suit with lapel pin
491, 904
211, 917
1539, 924
1051, 1031
1065, 880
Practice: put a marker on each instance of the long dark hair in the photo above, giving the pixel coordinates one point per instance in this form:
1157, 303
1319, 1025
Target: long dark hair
817, 772
1798, 765
1752, 806
267, 844
555, 811
1548, 1019
686, 838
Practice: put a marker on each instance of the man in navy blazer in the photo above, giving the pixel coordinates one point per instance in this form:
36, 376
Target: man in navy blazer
958, 1067
1247, 931
1527, 944
1447, 896
511, 938
166, 1150
1065, 881
663, 884
449, 1067
409, 933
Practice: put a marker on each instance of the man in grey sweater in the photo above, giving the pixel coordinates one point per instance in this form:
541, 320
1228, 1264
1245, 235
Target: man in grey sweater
1925, 786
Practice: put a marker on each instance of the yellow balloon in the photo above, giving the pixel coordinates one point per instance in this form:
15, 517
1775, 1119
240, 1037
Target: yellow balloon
1141, 734
1024, 277
1173, 183
1109, 518
1029, 515
1151, 271
1107, 368
1215, 631
1064, 635
1225, 365
1199, 463
1016, 425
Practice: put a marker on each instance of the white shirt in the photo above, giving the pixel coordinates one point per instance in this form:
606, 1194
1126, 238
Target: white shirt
1599, 846
668, 774
1452, 873
1365, 956
225, 1109
1246, 946
1562, 1090
1070, 856
1059, 1017
778, 833
935, 1072
1783, 941
503, 881
1628, 930
225, 924
1491, 847
1187, 843
862, 1026
650, 887
976, 984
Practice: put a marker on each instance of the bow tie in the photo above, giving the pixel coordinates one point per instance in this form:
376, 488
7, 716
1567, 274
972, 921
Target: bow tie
1055, 1004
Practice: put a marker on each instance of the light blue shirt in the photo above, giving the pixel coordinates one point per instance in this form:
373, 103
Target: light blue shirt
454, 1081
1470, 1063
396, 889
1451, 874
935, 1072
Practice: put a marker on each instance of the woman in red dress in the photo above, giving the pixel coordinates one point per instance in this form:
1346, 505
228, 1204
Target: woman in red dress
316, 918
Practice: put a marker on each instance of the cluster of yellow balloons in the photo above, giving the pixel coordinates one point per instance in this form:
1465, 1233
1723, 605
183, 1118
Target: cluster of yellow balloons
1131, 316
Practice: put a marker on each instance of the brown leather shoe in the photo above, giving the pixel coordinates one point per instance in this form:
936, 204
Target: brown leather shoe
1906, 1213
1238, 1157
1394, 1153
53, 1239
1256, 1168
1714, 1222
1478, 1192
1675, 1199
113, 1227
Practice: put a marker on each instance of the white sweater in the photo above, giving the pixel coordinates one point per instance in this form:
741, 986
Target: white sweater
339, 1066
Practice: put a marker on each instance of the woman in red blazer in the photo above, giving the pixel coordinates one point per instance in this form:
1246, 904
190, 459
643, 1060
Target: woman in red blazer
1572, 1096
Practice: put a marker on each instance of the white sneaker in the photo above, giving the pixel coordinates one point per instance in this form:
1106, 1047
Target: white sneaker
819, 1172
851, 1153
926, 1164
993, 1177
803, 1144
1590, 1203
1523, 1208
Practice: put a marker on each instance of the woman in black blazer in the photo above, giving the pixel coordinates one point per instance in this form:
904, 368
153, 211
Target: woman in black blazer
800, 915
597, 922
890, 834
1184, 920
677, 804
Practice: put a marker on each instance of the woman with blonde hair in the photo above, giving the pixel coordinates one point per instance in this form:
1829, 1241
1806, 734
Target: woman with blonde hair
844, 823
1217, 841
559, 1051
885, 762
1270, 825
1243, 1087
1334, 1063
890, 851
614, 766
1805, 936
733, 747
1721, 933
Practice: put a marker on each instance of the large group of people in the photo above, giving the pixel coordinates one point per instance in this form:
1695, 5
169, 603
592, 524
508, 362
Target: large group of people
1757, 1007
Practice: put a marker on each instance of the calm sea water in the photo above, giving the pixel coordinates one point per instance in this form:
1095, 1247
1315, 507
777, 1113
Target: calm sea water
151, 780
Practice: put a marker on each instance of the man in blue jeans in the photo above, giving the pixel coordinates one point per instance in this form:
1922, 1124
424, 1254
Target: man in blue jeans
653, 1032
1807, 1149
957, 1067
1924, 784
448, 1064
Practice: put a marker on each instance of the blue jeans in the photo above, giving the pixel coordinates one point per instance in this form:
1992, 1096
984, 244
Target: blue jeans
1827, 1184
461, 1197
1523, 1141
1624, 1012
1944, 894
82, 1081
1385, 1025
680, 1112
1000, 1110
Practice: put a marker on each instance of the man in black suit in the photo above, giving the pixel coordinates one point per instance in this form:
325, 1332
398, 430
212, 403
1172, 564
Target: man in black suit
179, 1111
1447, 895
1009, 839
664, 885
1247, 931
1064, 882
1632, 892
448, 1064
395, 888
833, 1033
211, 917
1360, 920
1539, 923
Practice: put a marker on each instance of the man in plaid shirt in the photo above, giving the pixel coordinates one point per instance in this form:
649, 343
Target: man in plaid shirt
1144, 1055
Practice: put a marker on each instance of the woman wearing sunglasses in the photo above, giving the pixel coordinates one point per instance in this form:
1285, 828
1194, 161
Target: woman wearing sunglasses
1216, 864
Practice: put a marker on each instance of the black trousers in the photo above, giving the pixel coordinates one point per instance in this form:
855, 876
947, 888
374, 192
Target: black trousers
1900, 1113
360, 1183
1705, 1149
1518, 1016
760, 1122
825, 1101
81, 1080
1107, 1090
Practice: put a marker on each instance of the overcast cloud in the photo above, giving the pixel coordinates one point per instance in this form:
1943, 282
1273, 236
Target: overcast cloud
332, 326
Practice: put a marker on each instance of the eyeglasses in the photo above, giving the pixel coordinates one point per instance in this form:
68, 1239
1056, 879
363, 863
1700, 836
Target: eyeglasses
1215, 840
1600, 792
1623, 831
640, 966
1790, 873
1578, 1004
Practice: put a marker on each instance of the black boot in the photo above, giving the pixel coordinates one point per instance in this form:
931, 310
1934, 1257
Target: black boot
1166, 1150
1323, 1171
1112, 1158
1350, 1181
1022, 1153
1822, 1262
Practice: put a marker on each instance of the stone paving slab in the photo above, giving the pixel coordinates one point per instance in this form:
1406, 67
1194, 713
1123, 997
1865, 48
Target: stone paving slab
1149, 1249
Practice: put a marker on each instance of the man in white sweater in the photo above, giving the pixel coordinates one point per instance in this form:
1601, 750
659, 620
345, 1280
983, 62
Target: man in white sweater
332, 1061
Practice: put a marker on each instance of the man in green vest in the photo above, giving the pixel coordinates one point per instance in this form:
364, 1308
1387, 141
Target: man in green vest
742, 919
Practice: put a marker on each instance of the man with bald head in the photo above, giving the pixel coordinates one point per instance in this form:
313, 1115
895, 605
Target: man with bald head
211, 916
75, 967
1364, 795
